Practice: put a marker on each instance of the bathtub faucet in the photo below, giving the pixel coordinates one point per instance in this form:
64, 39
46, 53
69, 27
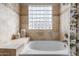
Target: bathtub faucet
65, 41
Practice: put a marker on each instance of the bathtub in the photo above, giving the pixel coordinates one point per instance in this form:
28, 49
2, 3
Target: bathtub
46, 48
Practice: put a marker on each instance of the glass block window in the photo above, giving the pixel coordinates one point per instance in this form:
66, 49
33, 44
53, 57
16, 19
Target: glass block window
40, 17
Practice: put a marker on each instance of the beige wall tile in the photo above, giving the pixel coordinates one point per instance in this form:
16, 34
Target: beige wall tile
43, 35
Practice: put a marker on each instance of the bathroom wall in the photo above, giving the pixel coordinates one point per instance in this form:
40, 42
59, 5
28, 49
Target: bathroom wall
65, 21
41, 34
9, 20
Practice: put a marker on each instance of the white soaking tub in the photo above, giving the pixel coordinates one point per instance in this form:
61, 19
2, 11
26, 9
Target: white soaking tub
46, 48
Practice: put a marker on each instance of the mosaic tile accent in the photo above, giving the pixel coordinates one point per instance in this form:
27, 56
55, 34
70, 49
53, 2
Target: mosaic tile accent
74, 27
73, 23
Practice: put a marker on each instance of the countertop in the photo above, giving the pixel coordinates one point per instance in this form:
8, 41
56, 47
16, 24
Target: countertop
14, 44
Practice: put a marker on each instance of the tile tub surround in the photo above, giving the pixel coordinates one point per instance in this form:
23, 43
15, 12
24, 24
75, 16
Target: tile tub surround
13, 47
65, 23
36, 35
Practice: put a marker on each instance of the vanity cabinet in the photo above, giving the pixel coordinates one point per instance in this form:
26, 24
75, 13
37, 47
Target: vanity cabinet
11, 51
14, 48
